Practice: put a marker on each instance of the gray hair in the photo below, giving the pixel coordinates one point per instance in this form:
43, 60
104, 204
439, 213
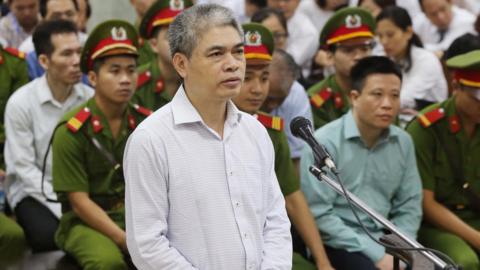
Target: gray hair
284, 63
186, 30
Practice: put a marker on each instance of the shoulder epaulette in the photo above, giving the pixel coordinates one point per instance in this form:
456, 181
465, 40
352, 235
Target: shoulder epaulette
143, 78
15, 52
76, 122
319, 98
431, 117
270, 121
142, 110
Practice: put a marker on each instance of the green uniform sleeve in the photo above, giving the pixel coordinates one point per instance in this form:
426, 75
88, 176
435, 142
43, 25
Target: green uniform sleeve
424, 142
20, 72
69, 161
284, 168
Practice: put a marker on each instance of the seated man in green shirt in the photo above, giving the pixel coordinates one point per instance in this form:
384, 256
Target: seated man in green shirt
376, 161
258, 53
88, 150
447, 146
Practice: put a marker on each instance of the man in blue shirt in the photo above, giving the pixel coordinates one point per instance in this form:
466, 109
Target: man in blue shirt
376, 161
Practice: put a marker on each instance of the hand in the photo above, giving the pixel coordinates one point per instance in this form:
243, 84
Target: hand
323, 58
386, 263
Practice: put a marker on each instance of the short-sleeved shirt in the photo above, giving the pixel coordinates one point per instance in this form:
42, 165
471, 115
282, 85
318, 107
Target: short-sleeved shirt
433, 160
79, 166
329, 101
151, 91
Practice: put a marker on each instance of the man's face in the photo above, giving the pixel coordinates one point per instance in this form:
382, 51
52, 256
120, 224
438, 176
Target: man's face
287, 6
61, 9
254, 89
216, 68
439, 12
63, 65
141, 6
160, 46
349, 52
468, 101
116, 79
280, 83
26, 12
378, 103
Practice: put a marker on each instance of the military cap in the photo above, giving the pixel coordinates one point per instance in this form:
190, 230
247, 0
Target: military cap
466, 68
162, 12
347, 23
258, 42
113, 37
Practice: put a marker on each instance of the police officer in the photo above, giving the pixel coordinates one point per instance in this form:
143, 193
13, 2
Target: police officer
258, 53
13, 74
88, 150
447, 141
158, 81
348, 37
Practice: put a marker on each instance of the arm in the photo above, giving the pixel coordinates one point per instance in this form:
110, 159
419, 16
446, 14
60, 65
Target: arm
302, 219
146, 205
94, 216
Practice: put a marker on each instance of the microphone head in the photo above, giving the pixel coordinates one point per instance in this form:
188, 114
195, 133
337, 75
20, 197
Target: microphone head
298, 124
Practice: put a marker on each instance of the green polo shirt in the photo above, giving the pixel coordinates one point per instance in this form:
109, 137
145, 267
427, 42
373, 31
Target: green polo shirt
433, 165
329, 110
151, 94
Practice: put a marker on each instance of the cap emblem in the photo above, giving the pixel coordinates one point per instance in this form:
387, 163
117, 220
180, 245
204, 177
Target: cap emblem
177, 5
353, 21
119, 33
253, 38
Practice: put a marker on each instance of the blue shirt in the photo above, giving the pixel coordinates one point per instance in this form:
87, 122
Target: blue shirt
295, 104
385, 177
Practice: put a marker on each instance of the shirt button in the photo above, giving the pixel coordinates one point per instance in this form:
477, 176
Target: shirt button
231, 173
245, 235
237, 204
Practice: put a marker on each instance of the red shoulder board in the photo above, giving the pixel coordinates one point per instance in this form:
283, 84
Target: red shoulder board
431, 117
159, 86
142, 110
15, 52
143, 78
338, 101
454, 123
318, 99
270, 121
97, 125
76, 122
132, 124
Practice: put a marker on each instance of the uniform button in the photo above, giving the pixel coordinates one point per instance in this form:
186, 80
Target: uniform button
460, 206
465, 185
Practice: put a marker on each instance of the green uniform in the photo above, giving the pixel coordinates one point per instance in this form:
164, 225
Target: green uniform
12, 241
13, 74
441, 146
145, 52
79, 165
329, 101
151, 92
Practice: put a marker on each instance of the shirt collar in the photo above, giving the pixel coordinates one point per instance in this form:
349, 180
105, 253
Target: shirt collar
351, 130
45, 94
184, 112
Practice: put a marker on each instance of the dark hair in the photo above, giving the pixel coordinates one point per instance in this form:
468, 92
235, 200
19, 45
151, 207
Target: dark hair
291, 66
43, 7
463, 44
382, 3
372, 65
258, 3
42, 36
265, 13
399, 16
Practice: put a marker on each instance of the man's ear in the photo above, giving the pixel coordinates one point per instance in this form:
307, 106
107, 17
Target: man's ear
43, 61
353, 96
153, 44
180, 63
92, 78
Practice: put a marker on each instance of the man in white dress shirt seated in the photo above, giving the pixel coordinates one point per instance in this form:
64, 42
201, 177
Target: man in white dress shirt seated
441, 23
200, 186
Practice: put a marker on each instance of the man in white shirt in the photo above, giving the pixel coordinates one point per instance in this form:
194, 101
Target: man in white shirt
441, 23
302, 42
201, 191
31, 115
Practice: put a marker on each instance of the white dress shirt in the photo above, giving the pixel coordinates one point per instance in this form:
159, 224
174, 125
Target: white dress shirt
31, 115
425, 80
295, 104
303, 41
195, 200
317, 15
462, 23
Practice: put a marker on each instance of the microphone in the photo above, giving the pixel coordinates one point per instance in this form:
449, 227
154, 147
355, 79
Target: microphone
302, 128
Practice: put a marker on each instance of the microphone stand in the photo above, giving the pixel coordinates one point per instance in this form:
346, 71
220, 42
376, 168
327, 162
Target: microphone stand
321, 176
